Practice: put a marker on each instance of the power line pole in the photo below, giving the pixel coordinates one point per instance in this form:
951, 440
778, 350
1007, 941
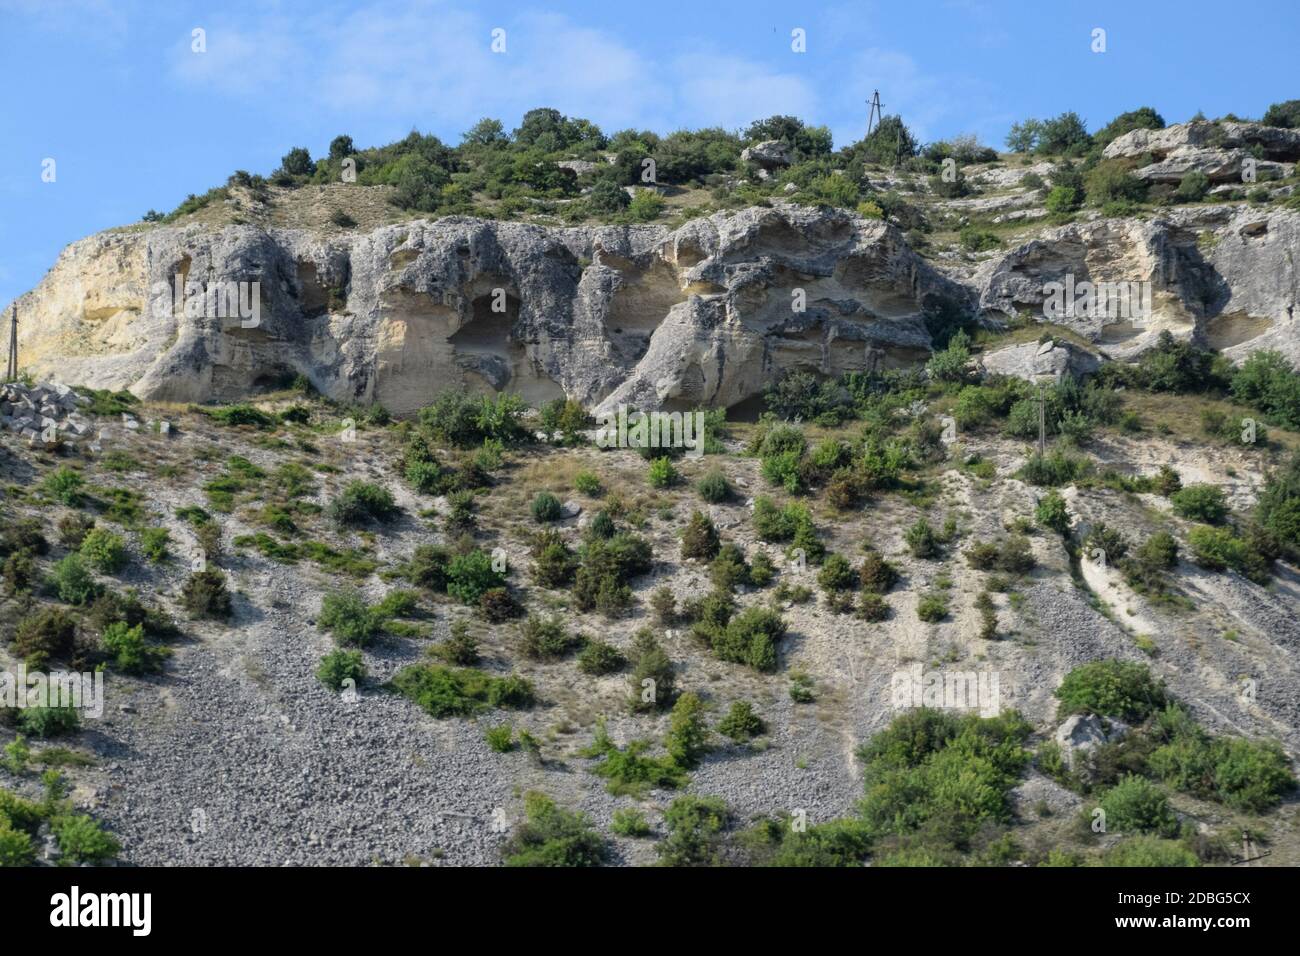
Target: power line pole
11, 369
874, 113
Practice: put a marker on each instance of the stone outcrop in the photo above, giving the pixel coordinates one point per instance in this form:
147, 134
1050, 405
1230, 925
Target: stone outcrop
1222, 275
769, 154
1276, 142
709, 313
1224, 152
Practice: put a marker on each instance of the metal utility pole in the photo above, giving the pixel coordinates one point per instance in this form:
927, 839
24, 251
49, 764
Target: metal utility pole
11, 369
874, 114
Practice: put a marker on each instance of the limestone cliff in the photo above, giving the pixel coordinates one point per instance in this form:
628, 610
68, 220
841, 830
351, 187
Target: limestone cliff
706, 314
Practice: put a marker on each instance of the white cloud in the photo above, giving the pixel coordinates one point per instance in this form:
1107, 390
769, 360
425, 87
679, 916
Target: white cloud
431, 64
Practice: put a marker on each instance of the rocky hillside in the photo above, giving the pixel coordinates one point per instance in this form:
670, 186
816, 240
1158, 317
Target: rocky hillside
355, 603
702, 314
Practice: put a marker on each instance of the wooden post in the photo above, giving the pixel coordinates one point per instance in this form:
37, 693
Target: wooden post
1042, 421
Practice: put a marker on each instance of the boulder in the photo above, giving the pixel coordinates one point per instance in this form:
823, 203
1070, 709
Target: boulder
1082, 733
1033, 361
769, 154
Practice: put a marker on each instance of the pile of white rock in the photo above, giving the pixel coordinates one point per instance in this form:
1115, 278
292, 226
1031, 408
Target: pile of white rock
44, 414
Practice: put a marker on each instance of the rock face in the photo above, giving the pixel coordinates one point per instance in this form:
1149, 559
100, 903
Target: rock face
710, 313
1276, 142
1219, 150
707, 314
1224, 275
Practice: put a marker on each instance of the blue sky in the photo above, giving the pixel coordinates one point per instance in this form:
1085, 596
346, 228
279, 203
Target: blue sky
134, 119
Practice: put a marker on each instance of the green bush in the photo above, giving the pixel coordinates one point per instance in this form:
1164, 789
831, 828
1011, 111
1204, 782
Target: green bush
128, 650
82, 840
1217, 549
921, 540
837, 574
699, 538
352, 622
741, 723
1200, 503
695, 826
1052, 513
598, 658
460, 647
627, 770
153, 542
15, 846
1192, 187
877, 575
1167, 481
1149, 851
500, 737
546, 507
1110, 182
778, 843
662, 473
629, 822
932, 608
777, 524
427, 567
713, 487
1268, 382
872, 607
72, 581
47, 633
1111, 688
1145, 570
1278, 511
688, 736
1247, 775
545, 638
729, 569
941, 777
48, 721
1011, 555
428, 477
1055, 468
652, 682
362, 501
761, 570
1063, 199
103, 550
460, 692
553, 836
460, 419
554, 562
751, 638
341, 665
974, 239
64, 485
587, 483
242, 414
204, 594
471, 574
1136, 805
1252, 776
